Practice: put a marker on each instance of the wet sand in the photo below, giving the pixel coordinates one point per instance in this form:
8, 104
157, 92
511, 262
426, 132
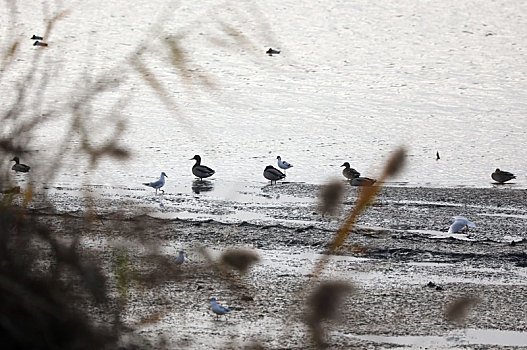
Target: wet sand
405, 269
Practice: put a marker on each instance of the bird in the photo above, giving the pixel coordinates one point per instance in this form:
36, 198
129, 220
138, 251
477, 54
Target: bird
459, 223
273, 174
283, 164
199, 170
270, 52
22, 168
349, 172
217, 308
502, 176
39, 43
437, 155
362, 181
157, 184
180, 258
35, 37
354, 176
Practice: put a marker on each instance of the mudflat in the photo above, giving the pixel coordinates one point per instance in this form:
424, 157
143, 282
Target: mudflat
405, 272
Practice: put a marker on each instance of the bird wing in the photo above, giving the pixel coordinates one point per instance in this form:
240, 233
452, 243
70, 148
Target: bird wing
457, 225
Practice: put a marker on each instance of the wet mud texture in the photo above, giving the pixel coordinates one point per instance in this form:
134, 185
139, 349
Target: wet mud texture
403, 279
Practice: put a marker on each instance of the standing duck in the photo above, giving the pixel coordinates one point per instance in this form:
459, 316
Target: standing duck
199, 170
157, 184
36, 37
348, 172
282, 164
502, 176
353, 175
22, 168
273, 174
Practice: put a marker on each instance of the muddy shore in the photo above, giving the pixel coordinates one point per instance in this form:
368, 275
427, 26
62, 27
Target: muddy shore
404, 268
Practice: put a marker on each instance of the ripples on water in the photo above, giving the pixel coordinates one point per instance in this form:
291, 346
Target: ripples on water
354, 81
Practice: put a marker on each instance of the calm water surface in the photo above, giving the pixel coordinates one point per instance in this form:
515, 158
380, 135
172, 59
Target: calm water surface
354, 81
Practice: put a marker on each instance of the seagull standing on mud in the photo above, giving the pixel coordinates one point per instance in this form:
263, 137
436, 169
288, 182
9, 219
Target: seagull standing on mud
502, 176
22, 168
273, 174
157, 184
218, 309
459, 223
180, 258
282, 164
199, 170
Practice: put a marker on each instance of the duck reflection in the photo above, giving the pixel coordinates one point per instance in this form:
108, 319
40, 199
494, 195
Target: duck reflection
199, 186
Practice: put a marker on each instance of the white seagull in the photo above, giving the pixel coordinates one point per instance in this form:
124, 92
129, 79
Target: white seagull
180, 258
282, 164
217, 308
459, 223
157, 184
273, 174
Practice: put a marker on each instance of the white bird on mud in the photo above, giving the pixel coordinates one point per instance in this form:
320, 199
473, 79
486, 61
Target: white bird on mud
273, 174
282, 164
199, 170
502, 176
218, 309
180, 258
157, 184
19, 167
459, 223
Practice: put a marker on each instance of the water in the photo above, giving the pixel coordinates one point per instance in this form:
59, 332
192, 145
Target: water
354, 81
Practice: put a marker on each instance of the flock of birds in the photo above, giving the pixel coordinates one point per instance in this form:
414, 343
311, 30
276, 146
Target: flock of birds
271, 173
458, 223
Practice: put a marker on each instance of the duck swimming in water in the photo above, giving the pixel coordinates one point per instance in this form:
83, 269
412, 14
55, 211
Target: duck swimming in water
502, 176
270, 52
199, 170
273, 174
39, 43
157, 184
22, 168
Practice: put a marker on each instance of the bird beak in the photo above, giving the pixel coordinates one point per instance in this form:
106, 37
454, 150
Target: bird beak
192, 158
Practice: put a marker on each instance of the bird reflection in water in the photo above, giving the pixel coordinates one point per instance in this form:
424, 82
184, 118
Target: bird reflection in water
199, 186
